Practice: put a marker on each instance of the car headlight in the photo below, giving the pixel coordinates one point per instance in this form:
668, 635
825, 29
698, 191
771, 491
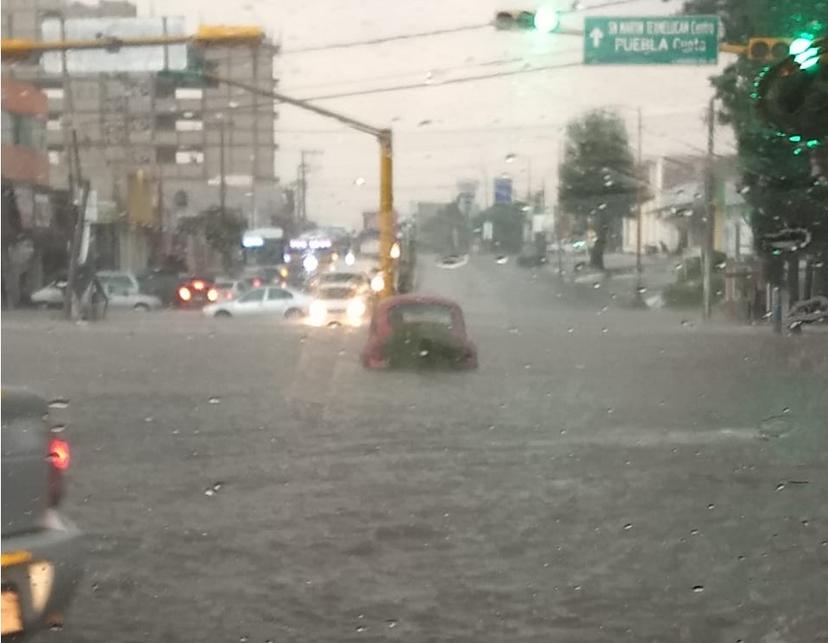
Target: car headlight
378, 282
317, 312
356, 310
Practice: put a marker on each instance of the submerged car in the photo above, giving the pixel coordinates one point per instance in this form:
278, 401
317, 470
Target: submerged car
338, 305
195, 292
272, 300
42, 550
122, 291
418, 331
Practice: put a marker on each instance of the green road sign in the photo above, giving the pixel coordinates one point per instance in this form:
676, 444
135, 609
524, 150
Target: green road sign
658, 40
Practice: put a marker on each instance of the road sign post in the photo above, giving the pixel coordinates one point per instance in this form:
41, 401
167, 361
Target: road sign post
659, 40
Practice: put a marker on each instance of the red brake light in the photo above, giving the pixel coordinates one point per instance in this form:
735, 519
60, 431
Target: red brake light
184, 293
59, 454
257, 282
212, 294
198, 285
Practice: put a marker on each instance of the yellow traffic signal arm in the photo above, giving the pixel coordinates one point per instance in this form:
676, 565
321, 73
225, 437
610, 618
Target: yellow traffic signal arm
217, 35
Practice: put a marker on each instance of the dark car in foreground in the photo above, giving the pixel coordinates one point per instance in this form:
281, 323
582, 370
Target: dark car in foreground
418, 331
41, 549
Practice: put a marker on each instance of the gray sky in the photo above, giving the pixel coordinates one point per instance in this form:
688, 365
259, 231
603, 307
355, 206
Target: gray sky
446, 133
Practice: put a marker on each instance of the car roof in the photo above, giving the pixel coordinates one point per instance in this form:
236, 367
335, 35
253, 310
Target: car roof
401, 300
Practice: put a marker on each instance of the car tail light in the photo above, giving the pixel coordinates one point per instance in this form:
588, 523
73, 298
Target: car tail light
184, 294
257, 282
198, 285
212, 294
59, 458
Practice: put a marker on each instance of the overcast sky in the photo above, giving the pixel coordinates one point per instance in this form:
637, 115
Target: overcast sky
458, 131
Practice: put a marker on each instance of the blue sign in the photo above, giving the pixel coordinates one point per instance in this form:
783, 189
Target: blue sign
503, 190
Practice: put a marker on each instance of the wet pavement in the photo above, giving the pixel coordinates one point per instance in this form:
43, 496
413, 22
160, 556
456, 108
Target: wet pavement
605, 475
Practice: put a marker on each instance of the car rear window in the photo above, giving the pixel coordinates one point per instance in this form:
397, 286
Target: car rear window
421, 314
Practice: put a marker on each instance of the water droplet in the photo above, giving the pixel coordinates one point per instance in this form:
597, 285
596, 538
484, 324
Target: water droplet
58, 429
804, 522
243, 638
423, 353
698, 588
740, 557
628, 526
610, 411
392, 624
59, 404
641, 290
596, 285
786, 410
744, 190
55, 627
694, 532
577, 588
780, 486
711, 506
563, 431
570, 330
214, 400
514, 331
149, 419
687, 323
209, 492
360, 181
361, 628
527, 366
605, 330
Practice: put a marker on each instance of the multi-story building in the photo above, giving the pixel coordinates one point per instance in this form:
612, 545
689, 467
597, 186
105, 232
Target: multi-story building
26, 209
186, 148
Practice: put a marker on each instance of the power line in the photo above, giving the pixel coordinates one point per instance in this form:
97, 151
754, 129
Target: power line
377, 41
452, 81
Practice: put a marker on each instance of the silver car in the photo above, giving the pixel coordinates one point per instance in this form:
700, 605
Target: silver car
121, 288
42, 554
272, 300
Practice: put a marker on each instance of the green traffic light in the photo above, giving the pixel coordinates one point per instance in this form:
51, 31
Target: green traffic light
547, 19
800, 45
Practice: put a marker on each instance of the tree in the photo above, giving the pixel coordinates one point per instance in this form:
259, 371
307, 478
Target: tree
597, 178
777, 174
222, 231
508, 220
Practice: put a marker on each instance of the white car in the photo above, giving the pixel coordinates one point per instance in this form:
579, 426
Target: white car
338, 305
121, 292
271, 300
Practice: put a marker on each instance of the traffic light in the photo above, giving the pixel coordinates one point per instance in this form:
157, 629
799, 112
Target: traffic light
768, 49
198, 72
792, 96
544, 19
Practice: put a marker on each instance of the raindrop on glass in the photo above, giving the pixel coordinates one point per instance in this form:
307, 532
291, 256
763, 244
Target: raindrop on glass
628, 526
698, 588
214, 400
359, 181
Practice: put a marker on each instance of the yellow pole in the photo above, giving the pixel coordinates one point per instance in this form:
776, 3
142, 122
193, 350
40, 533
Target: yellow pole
386, 212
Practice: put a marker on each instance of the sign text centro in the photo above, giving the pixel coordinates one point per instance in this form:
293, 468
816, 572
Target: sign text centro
691, 40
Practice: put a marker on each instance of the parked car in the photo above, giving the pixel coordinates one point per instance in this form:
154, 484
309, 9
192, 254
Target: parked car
272, 300
51, 295
195, 292
122, 290
42, 553
160, 283
418, 331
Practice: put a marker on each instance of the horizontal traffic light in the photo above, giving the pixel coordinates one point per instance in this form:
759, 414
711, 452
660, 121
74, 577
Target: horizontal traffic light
544, 19
792, 95
768, 49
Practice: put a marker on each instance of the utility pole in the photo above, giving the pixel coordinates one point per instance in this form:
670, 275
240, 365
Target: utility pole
302, 180
222, 174
709, 216
638, 298
386, 213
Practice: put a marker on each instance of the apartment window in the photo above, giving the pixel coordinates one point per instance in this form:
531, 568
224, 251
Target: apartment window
166, 153
165, 121
164, 88
189, 157
53, 125
189, 125
188, 93
54, 157
55, 93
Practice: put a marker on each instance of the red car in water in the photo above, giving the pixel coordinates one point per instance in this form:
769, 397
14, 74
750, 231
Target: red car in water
418, 331
195, 292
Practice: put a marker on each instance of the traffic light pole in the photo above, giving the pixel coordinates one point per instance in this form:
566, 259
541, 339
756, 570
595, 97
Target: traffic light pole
385, 139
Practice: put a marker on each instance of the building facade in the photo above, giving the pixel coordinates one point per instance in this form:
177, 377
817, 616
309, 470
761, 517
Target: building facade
145, 138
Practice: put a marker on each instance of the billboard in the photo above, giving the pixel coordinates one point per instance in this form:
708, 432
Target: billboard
124, 59
503, 190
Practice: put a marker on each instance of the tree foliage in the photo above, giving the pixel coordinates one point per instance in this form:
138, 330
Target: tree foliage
508, 220
777, 176
221, 230
597, 178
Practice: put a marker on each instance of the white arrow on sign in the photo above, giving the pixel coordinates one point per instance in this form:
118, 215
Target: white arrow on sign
596, 35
